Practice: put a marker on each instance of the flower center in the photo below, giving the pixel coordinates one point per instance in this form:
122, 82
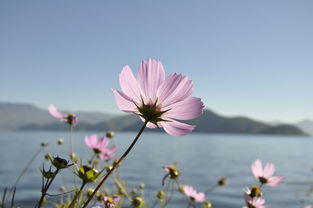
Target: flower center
263, 180
151, 112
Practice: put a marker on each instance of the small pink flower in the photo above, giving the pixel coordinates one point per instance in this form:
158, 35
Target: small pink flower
69, 118
265, 176
99, 146
160, 100
309, 206
255, 202
193, 195
111, 202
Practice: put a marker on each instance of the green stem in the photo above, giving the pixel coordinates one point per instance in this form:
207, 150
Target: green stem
27, 166
77, 195
45, 189
116, 164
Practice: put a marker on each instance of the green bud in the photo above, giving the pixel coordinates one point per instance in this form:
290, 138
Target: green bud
110, 134
60, 141
161, 194
88, 174
48, 156
60, 163
207, 204
137, 202
73, 157
47, 174
142, 186
134, 191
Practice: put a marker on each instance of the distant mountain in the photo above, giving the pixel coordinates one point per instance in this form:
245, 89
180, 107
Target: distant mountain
20, 115
29, 117
306, 125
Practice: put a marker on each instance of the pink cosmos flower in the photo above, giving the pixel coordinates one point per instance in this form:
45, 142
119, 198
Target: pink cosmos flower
99, 146
69, 118
193, 195
265, 176
255, 202
158, 99
111, 202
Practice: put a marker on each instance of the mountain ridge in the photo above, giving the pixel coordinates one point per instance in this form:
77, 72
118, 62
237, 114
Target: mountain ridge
14, 116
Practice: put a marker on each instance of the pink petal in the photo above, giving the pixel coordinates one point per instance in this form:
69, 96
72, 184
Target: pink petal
150, 76
175, 88
257, 169
275, 180
200, 197
55, 113
269, 170
129, 84
176, 128
124, 102
186, 109
103, 142
91, 141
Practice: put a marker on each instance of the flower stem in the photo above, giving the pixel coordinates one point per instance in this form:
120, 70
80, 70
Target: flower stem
27, 166
77, 195
45, 189
116, 164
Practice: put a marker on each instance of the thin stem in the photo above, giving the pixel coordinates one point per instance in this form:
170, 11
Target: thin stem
27, 166
45, 189
71, 139
77, 195
116, 164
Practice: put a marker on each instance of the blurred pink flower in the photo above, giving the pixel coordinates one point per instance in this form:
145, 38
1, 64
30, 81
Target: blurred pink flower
99, 146
158, 99
265, 176
255, 202
111, 202
193, 195
69, 118
309, 206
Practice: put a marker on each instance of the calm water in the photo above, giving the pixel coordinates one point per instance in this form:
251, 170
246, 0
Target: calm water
202, 158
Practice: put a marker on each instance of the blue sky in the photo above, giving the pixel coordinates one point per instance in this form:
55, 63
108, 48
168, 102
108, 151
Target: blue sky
246, 57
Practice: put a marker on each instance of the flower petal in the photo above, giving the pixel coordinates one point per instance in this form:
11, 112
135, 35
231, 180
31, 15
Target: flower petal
186, 109
269, 170
257, 169
150, 76
91, 141
124, 102
129, 84
55, 113
175, 88
275, 180
176, 128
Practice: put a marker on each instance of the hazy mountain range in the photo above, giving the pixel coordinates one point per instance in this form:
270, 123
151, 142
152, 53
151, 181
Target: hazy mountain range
16, 116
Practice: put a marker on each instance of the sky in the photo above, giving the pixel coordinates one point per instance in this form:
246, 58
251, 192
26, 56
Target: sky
246, 57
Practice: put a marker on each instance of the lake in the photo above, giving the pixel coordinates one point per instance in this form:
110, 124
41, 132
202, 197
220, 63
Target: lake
202, 159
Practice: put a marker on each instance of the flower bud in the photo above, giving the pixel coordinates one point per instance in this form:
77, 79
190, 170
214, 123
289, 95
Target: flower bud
222, 181
255, 191
88, 174
134, 191
142, 186
73, 157
207, 204
108, 168
60, 141
62, 189
161, 194
44, 144
110, 134
137, 202
47, 174
48, 156
60, 163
